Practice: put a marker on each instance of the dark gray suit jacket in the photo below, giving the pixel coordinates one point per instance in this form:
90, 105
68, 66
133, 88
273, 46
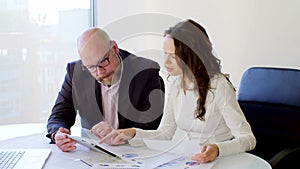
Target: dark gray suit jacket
141, 96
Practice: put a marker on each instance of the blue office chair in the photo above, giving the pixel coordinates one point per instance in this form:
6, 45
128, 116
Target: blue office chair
270, 100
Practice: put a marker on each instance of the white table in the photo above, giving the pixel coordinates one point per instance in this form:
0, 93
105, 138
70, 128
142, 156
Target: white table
17, 130
33, 136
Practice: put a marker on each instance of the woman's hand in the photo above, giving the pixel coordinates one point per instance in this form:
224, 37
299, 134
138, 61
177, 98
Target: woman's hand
118, 137
208, 153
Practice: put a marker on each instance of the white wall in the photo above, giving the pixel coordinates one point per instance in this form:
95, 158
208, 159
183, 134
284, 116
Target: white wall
244, 33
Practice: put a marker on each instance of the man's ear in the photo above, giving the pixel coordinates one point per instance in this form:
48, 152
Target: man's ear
115, 46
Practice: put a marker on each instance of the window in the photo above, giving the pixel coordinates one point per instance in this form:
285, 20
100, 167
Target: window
37, 39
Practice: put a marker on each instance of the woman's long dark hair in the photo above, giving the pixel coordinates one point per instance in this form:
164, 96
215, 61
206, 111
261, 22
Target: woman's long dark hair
194, 56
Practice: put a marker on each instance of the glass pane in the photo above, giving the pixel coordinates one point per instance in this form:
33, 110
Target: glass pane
37, 38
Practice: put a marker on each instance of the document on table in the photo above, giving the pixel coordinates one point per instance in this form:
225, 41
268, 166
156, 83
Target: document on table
174, 146
142, 156
166, 154
184, 148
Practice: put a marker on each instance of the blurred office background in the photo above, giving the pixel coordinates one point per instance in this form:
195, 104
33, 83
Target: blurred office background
37, 38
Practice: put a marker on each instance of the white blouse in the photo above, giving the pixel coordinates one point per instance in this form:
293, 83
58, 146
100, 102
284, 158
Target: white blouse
224, 125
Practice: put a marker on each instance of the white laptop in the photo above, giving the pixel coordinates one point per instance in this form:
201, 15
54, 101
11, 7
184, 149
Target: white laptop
23, 158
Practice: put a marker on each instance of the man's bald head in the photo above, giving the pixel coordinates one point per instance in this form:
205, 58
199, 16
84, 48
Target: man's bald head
92, 37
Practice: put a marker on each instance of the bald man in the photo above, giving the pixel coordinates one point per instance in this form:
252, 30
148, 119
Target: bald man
109, 88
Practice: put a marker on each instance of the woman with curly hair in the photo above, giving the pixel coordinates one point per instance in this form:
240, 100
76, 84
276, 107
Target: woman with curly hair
201, 100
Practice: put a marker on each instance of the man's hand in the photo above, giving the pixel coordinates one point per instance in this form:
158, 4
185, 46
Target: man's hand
118, 137
101, 129
208, 153
63, 142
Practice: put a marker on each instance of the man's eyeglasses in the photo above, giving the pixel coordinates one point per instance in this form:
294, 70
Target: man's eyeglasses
101, 63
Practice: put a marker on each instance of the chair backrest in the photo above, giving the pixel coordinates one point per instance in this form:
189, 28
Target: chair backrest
271, 85
270, 100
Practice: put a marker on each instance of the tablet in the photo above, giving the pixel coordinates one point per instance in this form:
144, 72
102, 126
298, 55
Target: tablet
88, 143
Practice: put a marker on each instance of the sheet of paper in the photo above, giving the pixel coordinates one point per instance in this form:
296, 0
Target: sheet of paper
186, 163
183, 147
142, 156
166, 154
